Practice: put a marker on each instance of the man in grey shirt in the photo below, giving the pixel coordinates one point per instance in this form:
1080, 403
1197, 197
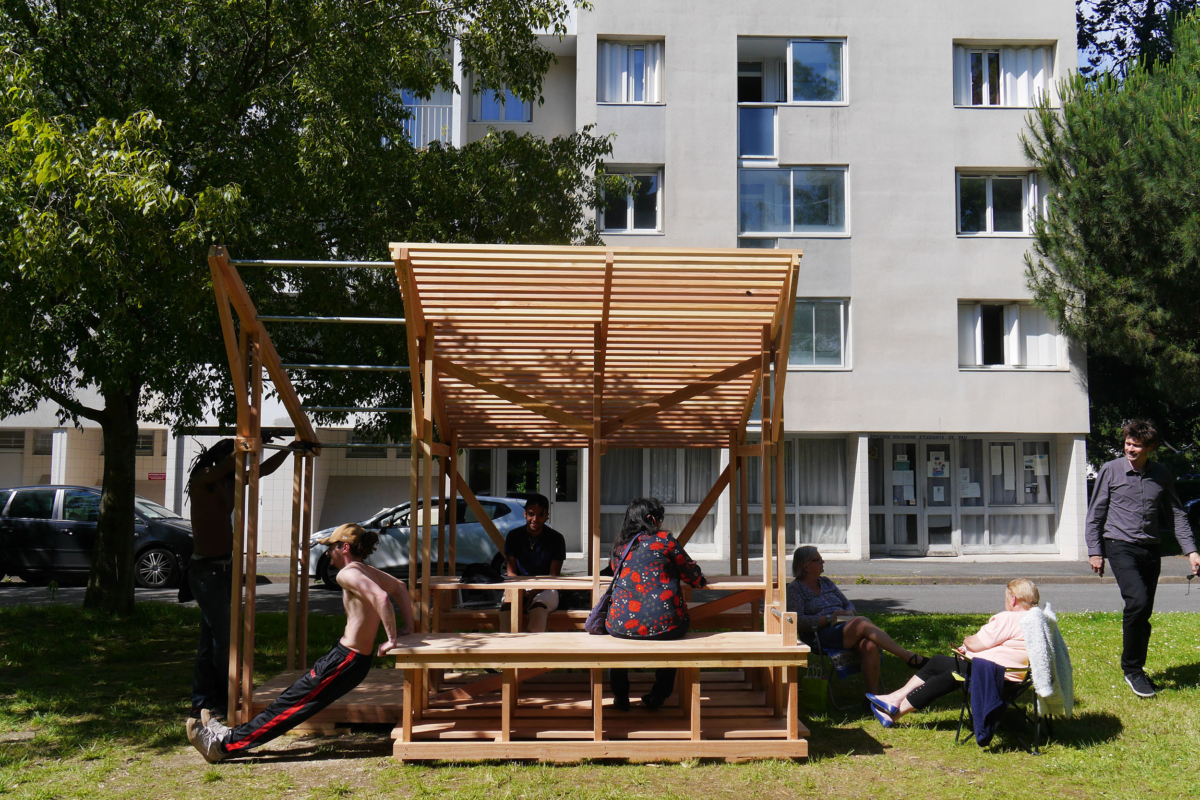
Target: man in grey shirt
1122, 523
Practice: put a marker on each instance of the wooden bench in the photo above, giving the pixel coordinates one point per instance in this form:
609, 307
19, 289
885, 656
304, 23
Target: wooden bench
549, 729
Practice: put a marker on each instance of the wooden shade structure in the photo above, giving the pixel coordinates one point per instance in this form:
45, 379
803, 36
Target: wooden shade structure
532, 346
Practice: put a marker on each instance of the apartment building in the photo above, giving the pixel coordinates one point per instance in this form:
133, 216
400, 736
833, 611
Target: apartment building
931, 409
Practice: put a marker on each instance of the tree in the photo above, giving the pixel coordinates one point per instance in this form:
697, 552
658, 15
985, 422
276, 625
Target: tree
1114, 35
1116, 260
139, 131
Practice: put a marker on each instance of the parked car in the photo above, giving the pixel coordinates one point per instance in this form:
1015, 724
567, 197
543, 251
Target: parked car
47, 533
472, 544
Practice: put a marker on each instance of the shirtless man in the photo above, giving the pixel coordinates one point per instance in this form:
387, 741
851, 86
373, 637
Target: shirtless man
210, 493
366, 595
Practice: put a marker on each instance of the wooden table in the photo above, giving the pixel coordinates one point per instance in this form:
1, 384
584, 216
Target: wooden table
510, 652
743, 588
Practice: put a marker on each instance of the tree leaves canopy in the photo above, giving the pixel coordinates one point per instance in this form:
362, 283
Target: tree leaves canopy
1114, 35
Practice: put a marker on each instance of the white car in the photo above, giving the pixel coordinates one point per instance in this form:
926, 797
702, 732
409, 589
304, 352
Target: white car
472, 543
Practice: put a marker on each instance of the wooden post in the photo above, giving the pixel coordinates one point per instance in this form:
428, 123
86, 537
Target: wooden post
744, 514
442, 555
507, 698
597, 705
407, 698
239, 530
733, 503
306, 532
781, 517
453, 489
427, 480
253, 458
693, 701
766, 482
294, 561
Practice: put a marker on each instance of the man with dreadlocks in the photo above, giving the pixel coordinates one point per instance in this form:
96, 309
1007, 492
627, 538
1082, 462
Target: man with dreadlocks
210, 490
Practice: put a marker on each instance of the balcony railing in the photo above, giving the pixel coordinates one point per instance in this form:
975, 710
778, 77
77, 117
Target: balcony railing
429, 123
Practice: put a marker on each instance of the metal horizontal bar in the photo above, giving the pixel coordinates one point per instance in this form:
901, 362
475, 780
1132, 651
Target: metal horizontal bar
254, 262
359, 445
347, 367
361, 320
357, 408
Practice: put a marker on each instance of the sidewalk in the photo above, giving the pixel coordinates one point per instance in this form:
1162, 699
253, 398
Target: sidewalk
898, 571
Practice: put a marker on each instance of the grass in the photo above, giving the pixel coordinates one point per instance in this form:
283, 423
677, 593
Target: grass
93, 707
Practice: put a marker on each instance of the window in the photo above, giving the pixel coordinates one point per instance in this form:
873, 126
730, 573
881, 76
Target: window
810, 70
12, 440
79, 506
629, 72
756, 132
1007, 335
365, 452
43, 443
32, 504
479, 471
499, 106
1015, 77
818, 334
145, 444
997, 205
640, 210
679, 478
796, 200
816, 70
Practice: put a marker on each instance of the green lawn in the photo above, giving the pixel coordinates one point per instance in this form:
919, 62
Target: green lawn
92, 707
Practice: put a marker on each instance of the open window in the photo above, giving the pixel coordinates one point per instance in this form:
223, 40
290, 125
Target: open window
998, 335
640, 211
1005, 75
807, 70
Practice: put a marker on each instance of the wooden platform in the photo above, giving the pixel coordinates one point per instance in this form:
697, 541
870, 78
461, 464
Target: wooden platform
377, 699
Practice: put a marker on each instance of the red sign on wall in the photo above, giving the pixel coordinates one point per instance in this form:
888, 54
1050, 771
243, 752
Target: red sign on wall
157, 476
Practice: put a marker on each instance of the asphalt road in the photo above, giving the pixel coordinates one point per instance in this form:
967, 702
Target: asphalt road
964, 599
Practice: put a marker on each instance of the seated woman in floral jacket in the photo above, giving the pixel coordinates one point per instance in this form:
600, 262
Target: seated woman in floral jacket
647, 600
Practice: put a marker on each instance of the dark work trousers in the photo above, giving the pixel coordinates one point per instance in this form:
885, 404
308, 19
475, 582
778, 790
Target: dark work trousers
1136, 568
664, 678
211, 582
335, 673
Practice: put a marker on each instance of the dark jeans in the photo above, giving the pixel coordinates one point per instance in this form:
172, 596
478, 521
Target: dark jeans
212, 584
938, 674
334, 674
664, 677
1136, 568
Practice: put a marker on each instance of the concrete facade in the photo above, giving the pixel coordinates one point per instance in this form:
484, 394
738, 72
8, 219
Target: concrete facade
995, 448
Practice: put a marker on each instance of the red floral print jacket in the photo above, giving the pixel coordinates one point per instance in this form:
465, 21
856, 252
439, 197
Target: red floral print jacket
646, 598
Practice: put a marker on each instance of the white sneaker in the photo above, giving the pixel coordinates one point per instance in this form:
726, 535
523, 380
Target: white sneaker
205, 740
212, 723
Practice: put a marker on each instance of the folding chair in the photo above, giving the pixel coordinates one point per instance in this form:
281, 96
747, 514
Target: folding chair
1014, 690
839, 662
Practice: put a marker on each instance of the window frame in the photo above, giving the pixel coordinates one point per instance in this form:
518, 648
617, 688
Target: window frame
476, 116
1031, 202
792, 233
1011, 342
985, 54
652, 85
629, 230
844, 305
845, 71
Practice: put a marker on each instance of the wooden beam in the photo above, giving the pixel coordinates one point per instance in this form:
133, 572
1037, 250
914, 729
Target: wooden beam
481, 687
478, 510
733, 502
597, 681
239, 532
237, 367
497, 389
426, 564
248, 315
713, 381
294, 560
407, 295
253, 457
782, 349
453, 489
705, 506
766, 482
434, 448
306, 537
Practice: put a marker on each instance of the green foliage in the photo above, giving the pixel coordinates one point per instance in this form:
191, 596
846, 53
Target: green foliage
1115, 35
1117, 260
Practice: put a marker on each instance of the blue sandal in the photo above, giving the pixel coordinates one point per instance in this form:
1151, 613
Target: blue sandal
887, 708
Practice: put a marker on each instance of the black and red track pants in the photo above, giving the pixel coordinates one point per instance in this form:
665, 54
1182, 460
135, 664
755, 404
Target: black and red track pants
335, 673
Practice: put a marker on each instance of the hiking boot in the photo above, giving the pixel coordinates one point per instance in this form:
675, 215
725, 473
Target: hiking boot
206, 741
1140, 684
210, 721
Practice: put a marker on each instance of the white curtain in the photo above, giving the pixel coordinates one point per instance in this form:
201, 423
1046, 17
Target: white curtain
1025, 74
663, 475
1039, 338
620, 477
699, 473
968, 324
612, 72
822, 468
822, 529
705, 534
1021, 529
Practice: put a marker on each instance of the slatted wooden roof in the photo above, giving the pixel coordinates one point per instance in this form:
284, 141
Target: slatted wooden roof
526, 339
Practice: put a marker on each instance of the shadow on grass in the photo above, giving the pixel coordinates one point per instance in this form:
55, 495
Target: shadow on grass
1181, 676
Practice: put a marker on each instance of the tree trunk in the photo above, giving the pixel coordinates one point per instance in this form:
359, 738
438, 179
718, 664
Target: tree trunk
110, 585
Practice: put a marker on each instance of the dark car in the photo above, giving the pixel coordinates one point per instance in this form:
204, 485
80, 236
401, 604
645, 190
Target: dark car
47, 532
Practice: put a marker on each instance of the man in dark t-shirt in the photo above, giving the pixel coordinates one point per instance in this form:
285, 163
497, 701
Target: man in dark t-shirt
536, 549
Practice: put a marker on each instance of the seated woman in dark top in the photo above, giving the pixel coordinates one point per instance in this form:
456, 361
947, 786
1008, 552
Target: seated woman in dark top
823, 613
647, 601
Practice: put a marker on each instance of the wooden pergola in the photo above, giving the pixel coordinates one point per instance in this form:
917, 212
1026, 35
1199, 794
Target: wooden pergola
532, 346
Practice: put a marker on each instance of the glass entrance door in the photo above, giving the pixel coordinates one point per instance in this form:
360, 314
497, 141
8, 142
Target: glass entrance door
902, 465
937, 496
